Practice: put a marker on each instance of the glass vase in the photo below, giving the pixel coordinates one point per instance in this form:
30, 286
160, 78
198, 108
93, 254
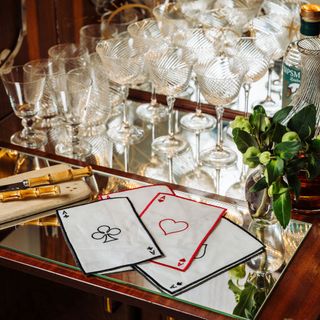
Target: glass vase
264, 226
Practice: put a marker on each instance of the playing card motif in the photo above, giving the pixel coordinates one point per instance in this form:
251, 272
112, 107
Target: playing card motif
170, 226
106, 233
177, 224
202, 252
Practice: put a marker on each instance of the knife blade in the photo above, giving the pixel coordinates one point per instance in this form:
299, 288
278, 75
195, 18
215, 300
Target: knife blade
51, 178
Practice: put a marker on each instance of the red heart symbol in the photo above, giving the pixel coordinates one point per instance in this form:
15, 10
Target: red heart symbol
181, 262
170, 226
161, 199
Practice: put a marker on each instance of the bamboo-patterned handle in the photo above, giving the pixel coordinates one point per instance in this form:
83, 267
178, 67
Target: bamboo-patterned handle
63, 176
30, 193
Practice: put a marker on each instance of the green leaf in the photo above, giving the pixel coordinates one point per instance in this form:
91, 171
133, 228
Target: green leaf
278, 131
243, 140
288, 149
304, 122
280, 115
259, 185
313, 166
275, 169
282, 207
295, 165
246, 302
236, 290
238, 272
278, 187
315, 145
294, 184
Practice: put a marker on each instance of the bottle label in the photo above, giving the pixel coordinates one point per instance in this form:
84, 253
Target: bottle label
291, 83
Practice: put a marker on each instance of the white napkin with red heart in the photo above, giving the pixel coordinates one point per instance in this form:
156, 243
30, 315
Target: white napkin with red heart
179, 226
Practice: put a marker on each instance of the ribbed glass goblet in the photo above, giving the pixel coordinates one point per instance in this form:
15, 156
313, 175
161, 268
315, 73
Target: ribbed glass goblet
257, 66
25, 92
124, 65
147, 35
170, 74
220, 81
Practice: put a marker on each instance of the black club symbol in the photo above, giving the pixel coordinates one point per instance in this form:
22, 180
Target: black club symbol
106, 233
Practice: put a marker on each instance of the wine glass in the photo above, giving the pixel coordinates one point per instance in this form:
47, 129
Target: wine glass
69, 56
71, 92
272, 39
170, 74
25, 92
124, 65
90, 35
257, 65
220, 81
47, 116
147, 35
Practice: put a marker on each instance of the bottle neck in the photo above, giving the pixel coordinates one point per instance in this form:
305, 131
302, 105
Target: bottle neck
309, 29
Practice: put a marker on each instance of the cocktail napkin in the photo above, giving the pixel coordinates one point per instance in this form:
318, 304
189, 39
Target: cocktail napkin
180, 226
141, 196
226, 247
106, 235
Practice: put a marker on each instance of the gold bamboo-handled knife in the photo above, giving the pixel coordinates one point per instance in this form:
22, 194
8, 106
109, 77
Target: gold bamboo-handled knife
30, 193
51, 178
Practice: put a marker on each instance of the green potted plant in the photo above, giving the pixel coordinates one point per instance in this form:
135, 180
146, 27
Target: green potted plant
282, 152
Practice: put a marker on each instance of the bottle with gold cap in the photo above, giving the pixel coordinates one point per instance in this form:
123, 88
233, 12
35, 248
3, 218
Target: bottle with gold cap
310, 27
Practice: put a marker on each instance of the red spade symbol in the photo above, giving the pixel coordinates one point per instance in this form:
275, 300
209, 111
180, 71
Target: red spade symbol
161, 199
181, 262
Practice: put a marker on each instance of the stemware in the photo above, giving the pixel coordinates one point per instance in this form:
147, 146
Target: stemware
124, 65
272, 38
170, 73
220, 81
90, 35
47, 116
147, 35
69, 56
71, 92
257, 65
25, 91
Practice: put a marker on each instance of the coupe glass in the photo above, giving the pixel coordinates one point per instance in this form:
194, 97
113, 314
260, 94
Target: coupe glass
170, 74
147, 35
47, 116
25, 92
71, 92
124, 65
220, 81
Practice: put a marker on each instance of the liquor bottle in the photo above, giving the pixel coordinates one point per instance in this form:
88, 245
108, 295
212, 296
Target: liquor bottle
310, 27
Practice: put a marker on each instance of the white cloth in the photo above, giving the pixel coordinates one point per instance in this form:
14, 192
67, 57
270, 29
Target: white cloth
179, 226
106, 235
226, 247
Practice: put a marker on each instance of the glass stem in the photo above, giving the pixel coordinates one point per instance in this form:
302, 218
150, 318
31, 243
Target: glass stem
27, 124
218, 171
269, 81
126, 158
198, 163
124, 94
219, 142
170, 102
246, 87
198, 106
170, 166
75, 136
176, 122
153, 101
